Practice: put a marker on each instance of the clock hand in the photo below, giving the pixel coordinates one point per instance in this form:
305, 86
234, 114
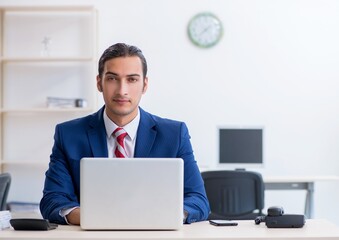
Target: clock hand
204, 30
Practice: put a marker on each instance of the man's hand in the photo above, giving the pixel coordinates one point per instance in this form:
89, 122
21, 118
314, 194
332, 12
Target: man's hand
185, 216
74, 217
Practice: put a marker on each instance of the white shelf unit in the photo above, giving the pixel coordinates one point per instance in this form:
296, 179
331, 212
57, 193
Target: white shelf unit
45, 52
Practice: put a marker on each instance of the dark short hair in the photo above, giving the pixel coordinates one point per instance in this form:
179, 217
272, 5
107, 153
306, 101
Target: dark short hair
121, 50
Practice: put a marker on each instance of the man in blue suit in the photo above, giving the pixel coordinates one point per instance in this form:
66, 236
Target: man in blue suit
122, 79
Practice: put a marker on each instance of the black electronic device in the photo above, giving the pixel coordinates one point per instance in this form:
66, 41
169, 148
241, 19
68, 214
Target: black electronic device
223, 223
241, 148
32, 224
277, 219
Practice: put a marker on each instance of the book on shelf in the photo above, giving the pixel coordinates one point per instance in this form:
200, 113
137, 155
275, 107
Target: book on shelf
57, 102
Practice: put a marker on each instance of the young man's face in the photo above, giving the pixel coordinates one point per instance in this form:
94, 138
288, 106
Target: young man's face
122, 84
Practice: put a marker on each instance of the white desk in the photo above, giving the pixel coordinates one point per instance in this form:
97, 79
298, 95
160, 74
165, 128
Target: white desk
315, 229
298, 183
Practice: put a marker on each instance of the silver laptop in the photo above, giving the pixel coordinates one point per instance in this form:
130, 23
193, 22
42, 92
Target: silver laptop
131, 193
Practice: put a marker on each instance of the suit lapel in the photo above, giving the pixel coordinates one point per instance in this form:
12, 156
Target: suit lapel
97, 135
145, 136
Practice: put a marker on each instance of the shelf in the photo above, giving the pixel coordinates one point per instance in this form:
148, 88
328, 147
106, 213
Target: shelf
45, 52
47, 59
54, 33
25, 162
50, 8
46, 110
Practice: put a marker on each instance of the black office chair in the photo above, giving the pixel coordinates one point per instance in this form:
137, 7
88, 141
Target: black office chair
5, 183
234, 195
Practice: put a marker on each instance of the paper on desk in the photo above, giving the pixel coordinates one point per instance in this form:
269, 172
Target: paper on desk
5, 216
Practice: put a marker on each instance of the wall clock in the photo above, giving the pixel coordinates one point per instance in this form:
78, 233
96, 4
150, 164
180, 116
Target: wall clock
205, 29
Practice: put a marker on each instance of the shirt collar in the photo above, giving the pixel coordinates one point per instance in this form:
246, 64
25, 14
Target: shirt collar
131, 128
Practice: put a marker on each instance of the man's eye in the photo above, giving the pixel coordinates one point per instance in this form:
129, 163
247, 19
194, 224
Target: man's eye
110, 78
132, 79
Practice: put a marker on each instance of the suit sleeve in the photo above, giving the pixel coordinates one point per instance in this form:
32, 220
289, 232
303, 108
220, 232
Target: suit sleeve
59, 192
195, 199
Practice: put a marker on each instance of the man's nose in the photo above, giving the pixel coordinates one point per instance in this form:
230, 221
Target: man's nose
122, 87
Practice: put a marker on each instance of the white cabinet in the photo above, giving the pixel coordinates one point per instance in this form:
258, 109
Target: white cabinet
45, 52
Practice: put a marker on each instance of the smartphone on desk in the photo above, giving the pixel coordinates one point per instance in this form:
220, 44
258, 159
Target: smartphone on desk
223, 223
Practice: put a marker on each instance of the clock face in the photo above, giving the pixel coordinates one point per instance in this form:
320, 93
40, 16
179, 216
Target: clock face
205, 30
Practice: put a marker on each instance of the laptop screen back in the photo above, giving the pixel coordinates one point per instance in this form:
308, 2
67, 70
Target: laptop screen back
131, 194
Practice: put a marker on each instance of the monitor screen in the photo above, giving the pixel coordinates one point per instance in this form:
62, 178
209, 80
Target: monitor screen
241, 147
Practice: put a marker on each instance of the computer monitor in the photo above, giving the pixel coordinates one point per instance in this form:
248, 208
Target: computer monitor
241, 148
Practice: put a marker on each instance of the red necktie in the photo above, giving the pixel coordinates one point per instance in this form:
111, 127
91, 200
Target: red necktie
120, 135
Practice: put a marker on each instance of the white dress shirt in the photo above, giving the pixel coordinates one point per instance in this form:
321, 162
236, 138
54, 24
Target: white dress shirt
131, 129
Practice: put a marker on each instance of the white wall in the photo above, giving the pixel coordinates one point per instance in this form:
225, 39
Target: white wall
276, 66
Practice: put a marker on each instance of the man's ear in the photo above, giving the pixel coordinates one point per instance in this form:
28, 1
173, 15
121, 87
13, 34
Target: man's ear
145, 85
99, 83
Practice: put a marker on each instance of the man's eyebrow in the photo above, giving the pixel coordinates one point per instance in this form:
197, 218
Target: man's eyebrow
128, 75
133, 75
111, 73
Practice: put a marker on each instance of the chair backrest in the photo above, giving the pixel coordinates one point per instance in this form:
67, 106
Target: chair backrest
234, 194
5, 183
